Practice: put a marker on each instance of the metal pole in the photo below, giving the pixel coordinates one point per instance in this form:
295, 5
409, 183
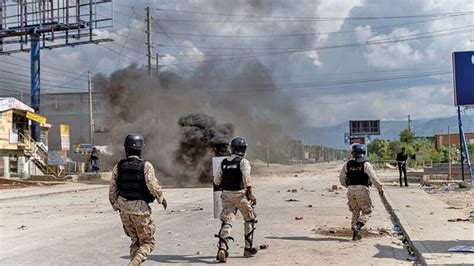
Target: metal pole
1, 23
460, 142
268, 155
148, 35
449, 154
35, 83
157, 65
91, 117
409, 123
466, 150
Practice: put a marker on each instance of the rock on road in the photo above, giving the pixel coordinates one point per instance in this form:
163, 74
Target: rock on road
80, 228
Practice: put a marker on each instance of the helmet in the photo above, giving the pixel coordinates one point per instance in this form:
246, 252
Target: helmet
238, 146
358, 152
134, 141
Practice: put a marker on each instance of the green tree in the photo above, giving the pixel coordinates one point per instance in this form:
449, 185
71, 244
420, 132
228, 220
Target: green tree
406, 136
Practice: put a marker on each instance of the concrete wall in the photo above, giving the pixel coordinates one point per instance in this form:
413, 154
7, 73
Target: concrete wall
73, 109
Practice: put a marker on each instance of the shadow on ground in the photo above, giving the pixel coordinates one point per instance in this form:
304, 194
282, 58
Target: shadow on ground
437, 246
385, 251
305, 238
179, 259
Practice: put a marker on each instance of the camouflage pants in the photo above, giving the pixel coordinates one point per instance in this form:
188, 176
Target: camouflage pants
141, 229
359, 203
231, 202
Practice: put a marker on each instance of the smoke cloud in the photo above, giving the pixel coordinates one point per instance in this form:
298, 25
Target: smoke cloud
186, 120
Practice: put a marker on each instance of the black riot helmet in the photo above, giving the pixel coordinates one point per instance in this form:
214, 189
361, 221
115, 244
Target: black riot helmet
134, 144
358, 153
238, 146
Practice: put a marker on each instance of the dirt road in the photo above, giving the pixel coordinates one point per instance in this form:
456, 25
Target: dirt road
80, 228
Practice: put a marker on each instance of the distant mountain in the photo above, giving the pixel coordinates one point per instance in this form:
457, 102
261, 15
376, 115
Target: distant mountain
333, 136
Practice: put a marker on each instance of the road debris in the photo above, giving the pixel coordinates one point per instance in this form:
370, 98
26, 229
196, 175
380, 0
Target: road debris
264, 246
292, 200
458, 220
299, 218
461, 249
22, 227
310, 206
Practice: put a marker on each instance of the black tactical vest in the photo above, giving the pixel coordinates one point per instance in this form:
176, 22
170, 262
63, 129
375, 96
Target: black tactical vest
131, 180
356, 174
232, 178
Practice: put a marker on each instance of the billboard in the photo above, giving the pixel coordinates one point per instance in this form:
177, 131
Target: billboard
364, 127
65, 138
463, 78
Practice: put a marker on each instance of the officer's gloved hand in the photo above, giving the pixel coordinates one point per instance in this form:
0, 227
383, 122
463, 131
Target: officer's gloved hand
164, 203
381, 193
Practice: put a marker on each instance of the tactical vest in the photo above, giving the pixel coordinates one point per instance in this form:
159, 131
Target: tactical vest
232, 178
356, 174
131, 180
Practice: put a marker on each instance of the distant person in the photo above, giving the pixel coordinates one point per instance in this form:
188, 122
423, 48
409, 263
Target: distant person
233, 178
134, 186
402, 158
357, 175
94, 160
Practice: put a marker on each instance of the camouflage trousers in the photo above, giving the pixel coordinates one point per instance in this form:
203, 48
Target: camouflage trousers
141, 229
359, 203
233, 201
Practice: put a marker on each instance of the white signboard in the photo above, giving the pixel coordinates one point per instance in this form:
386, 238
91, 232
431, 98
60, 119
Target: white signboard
57, 157
216, 163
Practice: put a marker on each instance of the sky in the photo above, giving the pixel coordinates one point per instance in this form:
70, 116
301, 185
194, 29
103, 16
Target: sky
334, 60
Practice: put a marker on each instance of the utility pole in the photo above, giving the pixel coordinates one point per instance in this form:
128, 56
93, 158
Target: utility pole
148, 39
409, 123
449, 154
157, 65
91, 117
268, 155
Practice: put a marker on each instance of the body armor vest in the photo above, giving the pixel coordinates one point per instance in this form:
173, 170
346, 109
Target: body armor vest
131, 180
356, 174
232, 178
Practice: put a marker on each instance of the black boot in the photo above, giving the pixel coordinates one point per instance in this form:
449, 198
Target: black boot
356, 231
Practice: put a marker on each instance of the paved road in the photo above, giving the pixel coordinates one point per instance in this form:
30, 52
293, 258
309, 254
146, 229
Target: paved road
80, 228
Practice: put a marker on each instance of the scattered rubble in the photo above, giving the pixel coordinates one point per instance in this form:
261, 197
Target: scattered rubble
299, 218
22, 227
292, 200
347, 232
458, 220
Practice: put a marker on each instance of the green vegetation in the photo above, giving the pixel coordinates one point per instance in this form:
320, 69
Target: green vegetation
419, 150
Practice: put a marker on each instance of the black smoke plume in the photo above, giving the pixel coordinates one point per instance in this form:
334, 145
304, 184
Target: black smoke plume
201, 139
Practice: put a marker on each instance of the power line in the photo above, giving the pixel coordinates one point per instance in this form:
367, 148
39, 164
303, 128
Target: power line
301, 85
358, 44
316, 17
174, 43
307, 19
309, 33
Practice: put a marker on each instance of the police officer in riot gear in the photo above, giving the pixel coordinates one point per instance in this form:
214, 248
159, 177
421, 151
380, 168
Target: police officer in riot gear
358, 175
233, 177
132, 188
